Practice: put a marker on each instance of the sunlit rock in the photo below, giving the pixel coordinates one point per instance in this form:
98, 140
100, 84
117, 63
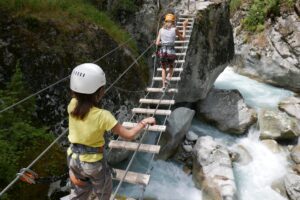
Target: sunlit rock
212, 169
227, 110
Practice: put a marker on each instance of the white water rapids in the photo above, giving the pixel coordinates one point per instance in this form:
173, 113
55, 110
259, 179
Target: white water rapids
169, 182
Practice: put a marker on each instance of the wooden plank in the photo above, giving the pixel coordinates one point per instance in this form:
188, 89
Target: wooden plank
170, 90
187, 31
133, 146
180, 54
172, 79
132, 177
186, 36
123, 198
157, 101
151, 111
179, 61
177, 69
181, 41
184, 18
182, 23
180, 47
181, 27
157, 128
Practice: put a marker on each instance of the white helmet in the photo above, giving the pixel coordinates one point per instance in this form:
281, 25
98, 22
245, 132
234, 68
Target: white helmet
87, 78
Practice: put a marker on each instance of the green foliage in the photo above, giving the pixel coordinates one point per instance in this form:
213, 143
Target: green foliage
234, 5
260, 11
20, 140
73, 10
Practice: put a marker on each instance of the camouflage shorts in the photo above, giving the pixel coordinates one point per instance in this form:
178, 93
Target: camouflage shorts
95, 175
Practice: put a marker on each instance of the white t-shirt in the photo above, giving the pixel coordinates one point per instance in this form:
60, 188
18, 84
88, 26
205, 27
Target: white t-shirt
168, 36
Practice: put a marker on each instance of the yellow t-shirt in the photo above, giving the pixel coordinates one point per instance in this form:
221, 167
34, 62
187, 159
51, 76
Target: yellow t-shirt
90, 130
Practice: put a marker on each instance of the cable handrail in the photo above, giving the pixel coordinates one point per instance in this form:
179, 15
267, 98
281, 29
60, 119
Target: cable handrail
61, 80
65, 131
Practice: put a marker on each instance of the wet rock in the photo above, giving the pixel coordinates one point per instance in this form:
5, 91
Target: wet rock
178, 125
296, 168
187, 148
226, 109
277, 125
187, 170
191, 136
117, 155
291, 105
271, 145
212, 169
292, 186
295, 154
240, 155
278, 186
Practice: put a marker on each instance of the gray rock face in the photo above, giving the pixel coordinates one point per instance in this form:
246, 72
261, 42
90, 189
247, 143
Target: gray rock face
227, 109
292, 186
277, 125
178, 125
212, 169
273, 57
295, 154
291, 106
210, 49
191, 136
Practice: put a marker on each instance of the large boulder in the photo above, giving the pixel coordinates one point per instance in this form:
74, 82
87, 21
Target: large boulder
295, 154
210, 49
212, 170
292, 186
178, 124
226, 109
291, 106
241, 155
277, 125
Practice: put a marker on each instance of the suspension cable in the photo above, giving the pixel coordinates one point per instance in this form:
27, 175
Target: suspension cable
62, 80
65, 131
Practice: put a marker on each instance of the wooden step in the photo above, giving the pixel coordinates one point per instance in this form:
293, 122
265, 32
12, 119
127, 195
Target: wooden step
157, 128
187, 31
187, 15
151, 111
186, 36
133, 146
181, 41
169, 90
172, 79
182, 23
180, 54
179, 61
184, 18
123, 198
132, 177
177, 69
181, 27
181, 47
157, 101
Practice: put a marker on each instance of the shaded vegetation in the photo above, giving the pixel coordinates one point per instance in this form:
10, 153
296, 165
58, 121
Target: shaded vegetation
21, 141
72, 10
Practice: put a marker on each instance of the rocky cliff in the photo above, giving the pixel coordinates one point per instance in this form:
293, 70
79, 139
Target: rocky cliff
210, 49
47, 49
272, 55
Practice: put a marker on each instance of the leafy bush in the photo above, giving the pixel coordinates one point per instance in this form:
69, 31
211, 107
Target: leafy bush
234, 5
260, 10
21, 141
